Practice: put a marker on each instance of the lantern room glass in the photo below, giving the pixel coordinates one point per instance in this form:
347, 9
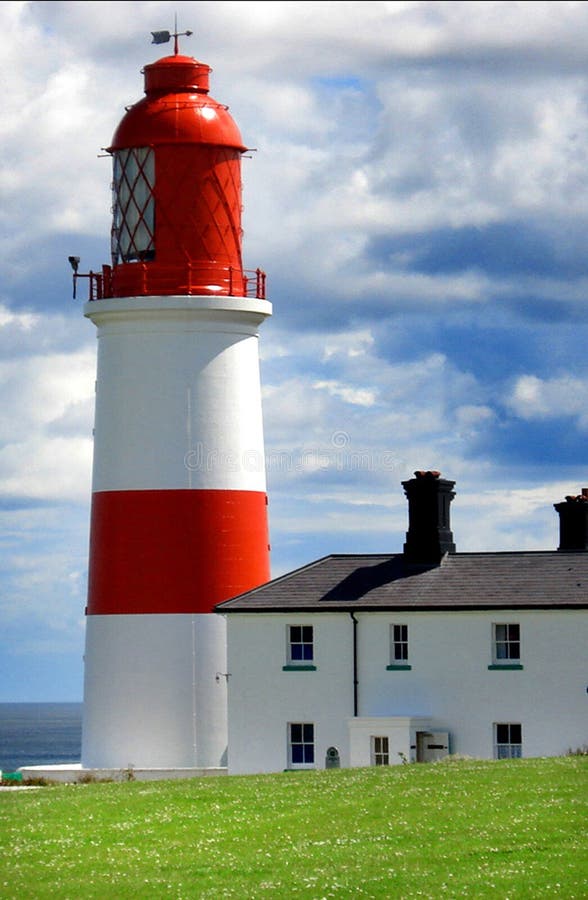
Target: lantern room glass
133, 224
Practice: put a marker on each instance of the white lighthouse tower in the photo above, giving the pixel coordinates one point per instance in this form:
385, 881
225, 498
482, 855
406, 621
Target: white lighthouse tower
179, 505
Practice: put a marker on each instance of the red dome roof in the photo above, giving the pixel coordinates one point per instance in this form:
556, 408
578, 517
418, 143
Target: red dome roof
177, 109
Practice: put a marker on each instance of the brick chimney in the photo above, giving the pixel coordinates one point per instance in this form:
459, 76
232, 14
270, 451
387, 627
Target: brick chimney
429, 535
573, 522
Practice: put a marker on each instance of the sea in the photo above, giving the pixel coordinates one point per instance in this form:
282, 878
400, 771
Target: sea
37, 734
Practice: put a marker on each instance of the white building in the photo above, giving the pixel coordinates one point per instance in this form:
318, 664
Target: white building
370, 660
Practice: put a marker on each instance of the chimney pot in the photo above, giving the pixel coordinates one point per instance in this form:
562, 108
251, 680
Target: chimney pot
573, 521
429, 535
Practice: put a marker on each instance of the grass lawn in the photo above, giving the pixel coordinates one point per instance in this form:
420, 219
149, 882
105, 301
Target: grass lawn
504, 829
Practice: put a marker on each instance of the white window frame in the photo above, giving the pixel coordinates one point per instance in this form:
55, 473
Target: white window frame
512, 748
300, 641
506, 643
306, 741
399, 644
380, 750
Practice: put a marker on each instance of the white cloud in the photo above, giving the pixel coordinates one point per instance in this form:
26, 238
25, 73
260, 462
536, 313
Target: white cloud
47, 469
357, 417
552, 398
11, 321
47, 404
356, 396
469, 418
352, 344
512, 518
41, 390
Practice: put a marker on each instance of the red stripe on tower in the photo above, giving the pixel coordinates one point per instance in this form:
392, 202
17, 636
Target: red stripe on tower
207, 546
179, 507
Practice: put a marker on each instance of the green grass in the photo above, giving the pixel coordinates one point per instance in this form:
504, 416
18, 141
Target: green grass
507, 829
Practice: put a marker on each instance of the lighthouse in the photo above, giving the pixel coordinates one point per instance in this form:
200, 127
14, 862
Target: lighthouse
179, 505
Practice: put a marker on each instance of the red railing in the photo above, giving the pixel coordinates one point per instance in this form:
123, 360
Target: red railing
248, 283
254, 280
99, 283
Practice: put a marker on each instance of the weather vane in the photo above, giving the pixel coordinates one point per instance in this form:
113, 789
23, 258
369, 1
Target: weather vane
162, 37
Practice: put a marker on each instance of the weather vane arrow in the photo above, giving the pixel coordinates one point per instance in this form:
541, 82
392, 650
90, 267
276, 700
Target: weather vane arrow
162, 37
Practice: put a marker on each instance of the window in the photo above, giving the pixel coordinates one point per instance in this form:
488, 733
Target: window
301, 744
300, 644
399, 643
398, 647
380, 751
133, 225
508, 742
507, 643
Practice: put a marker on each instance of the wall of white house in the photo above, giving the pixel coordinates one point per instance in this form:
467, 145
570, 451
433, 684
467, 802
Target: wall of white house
449, 683
450, 679
264, 698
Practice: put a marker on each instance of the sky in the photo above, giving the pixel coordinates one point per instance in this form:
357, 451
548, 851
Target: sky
417, 193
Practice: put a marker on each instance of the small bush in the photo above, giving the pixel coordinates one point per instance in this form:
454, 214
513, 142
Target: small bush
90, 778
8, 781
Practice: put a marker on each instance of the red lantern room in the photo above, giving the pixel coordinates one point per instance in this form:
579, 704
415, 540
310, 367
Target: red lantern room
177, 191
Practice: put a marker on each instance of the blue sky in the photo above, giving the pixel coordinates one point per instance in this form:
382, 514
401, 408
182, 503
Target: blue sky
418, 197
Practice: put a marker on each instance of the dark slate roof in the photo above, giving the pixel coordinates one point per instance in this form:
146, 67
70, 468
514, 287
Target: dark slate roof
462, 581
